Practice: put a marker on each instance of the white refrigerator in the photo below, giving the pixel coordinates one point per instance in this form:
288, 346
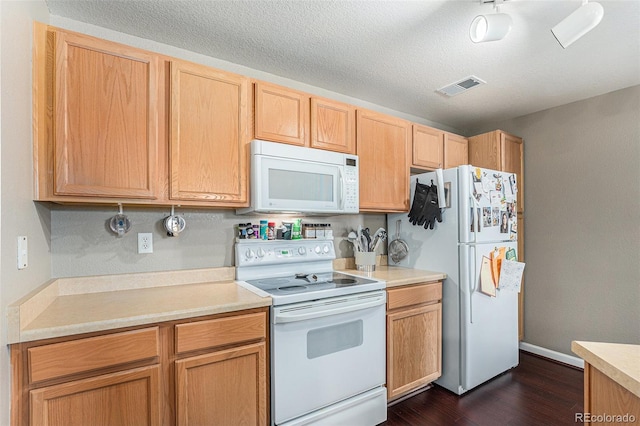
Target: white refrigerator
478, 229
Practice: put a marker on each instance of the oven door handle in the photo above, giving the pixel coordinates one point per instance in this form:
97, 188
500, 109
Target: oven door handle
285, 316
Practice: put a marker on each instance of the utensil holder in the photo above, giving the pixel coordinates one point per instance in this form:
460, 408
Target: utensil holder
366, 261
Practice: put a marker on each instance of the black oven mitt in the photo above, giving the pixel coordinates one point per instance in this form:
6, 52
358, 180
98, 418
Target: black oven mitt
419, 200
431, 211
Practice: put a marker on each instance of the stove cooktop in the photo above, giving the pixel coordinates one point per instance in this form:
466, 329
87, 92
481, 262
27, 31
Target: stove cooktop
312, 286
295, 271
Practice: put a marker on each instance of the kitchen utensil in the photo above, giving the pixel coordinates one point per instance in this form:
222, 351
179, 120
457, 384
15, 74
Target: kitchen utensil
353, 239
367, 237
380, 237
174, 224
398, 249
120, 223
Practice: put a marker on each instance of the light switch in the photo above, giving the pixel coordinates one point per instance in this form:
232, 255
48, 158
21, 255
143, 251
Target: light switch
23, 258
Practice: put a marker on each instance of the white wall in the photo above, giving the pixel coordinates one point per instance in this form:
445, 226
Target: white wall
18, 214
582, 220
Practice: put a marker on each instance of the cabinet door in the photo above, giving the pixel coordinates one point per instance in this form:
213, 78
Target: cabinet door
484, 150
456, 151
209, 135
125, 398
281, 114
106, 119
333, 126
229, 386
512, 161
428, 145
382, 146
414, 350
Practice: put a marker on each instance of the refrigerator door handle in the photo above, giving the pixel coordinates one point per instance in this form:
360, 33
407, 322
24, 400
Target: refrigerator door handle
472, 288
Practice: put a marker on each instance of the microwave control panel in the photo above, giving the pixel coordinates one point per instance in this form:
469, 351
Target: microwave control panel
351, 186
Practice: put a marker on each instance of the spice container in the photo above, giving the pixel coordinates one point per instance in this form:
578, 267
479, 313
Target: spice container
263, 229
296, 229
256, 232
271, 231
320, 231
309, 230
328, 232
241, 231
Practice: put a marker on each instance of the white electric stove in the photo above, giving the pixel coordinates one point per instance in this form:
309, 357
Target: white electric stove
328, 341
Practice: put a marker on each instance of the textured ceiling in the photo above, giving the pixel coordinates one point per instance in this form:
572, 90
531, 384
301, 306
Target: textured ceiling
397, 53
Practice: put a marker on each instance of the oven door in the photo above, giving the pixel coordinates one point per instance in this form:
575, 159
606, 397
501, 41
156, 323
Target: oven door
326, 351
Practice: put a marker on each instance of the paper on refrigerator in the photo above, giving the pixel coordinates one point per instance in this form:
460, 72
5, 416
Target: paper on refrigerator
511, 275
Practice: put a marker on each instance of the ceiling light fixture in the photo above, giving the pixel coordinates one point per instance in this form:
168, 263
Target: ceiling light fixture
580, 22
490, 27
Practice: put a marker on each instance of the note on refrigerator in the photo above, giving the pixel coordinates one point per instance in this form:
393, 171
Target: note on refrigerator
511, 275
486, 280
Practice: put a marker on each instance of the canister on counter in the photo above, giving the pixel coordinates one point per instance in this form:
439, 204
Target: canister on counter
286, 230
263, 229
308, 230
256, 232
241, 231
296, 229
328, 232
320, 231
271, 231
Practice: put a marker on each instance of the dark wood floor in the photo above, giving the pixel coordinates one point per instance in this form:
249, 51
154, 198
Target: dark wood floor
536, 392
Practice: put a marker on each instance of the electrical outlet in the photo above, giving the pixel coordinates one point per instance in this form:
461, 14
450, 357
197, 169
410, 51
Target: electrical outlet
145, 242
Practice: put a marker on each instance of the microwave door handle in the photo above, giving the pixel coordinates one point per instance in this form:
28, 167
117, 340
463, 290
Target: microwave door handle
341, 188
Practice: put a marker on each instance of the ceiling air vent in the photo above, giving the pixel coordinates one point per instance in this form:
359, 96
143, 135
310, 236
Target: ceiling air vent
460, 86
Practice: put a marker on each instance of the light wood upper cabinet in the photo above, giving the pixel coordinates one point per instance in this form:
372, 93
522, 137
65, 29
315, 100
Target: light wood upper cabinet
456, 150
435, 149
499, 150
209, 134
428, 147
281, 114
97, 115
333, 126
382, 147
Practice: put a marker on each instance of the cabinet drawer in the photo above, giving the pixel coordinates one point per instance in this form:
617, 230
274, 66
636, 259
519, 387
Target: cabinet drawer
222, 331
93, 353
413, 295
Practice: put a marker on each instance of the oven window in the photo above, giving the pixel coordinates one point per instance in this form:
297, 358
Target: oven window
294, 185
335, 338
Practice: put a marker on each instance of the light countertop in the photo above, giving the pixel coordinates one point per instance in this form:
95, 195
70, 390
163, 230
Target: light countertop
70, 306
396, 276
619, 362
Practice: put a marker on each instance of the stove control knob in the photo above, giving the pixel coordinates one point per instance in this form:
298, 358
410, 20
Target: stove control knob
302, 251
317, 249
249, 254
261, 252
325, 249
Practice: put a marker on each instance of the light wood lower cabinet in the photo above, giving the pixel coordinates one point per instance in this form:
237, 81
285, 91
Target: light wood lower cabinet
604, 397
129, 397
228, 386
414, 337
198, 371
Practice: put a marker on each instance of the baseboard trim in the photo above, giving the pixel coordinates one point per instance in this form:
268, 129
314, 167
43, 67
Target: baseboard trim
556, 356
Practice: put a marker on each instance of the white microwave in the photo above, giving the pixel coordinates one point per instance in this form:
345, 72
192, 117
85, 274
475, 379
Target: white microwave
292, 179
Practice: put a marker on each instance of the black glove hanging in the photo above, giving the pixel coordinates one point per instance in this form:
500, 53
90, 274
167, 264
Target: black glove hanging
419, 200
431, 211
